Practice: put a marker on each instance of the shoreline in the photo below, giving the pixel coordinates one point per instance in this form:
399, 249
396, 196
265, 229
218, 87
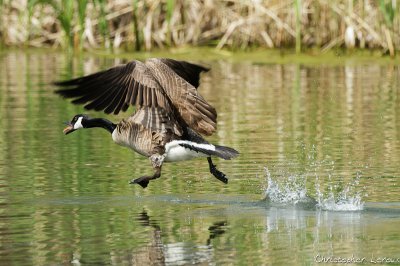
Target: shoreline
256, 55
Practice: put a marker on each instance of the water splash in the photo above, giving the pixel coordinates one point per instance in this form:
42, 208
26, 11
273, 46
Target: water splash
341, 198
292, 190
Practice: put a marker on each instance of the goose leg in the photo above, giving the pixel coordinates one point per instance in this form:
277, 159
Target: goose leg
156, 161
218, 174
144, 180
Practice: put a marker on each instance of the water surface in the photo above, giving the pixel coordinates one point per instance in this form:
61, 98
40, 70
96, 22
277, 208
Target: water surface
318, 175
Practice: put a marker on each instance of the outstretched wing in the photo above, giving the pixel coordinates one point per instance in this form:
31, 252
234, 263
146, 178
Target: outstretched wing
116, 89
165, 83
188, 71
173, 77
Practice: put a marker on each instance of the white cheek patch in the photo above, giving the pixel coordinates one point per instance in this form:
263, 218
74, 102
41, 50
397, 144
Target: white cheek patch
78, 123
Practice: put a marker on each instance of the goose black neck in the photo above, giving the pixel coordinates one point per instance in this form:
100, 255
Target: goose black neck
100, 122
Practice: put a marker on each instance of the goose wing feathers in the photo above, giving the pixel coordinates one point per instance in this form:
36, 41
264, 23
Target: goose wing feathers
188, 71
116, 89
155, 119
165, 83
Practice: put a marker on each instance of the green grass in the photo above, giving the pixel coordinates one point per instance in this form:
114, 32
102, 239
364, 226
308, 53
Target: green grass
260, 56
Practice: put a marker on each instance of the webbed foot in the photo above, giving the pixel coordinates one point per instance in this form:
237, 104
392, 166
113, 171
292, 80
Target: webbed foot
142, 181
218, 174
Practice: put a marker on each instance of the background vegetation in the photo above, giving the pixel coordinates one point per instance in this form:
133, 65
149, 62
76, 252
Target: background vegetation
233, 24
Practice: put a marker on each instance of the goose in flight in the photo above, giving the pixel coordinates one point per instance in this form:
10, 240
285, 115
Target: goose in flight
170, 117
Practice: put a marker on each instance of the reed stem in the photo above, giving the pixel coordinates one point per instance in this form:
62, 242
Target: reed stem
136, 30
298, 25
170, 10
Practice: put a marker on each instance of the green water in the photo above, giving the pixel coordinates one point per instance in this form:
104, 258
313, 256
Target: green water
325, 130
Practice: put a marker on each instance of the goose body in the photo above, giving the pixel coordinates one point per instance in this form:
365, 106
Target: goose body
170, 114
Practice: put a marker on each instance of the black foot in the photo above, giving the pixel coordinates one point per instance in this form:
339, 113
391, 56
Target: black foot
142, 181
218, 174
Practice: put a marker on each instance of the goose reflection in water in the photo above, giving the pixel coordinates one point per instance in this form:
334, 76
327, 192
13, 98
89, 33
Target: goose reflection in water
158, 253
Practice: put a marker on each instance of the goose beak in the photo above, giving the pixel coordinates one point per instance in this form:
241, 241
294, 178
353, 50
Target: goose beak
68, 129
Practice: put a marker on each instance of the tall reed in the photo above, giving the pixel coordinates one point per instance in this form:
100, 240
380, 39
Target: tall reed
136, 30
295, 24
298, 25
169, 12
1, 23
82, 6
65, 14
102, 21
388, 9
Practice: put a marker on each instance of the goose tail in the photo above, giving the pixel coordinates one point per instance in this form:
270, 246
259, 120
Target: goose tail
223, 152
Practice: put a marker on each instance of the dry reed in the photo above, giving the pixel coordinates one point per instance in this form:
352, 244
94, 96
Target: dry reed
233, 24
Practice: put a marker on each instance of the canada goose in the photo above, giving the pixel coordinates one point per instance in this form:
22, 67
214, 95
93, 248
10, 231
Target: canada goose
170, 113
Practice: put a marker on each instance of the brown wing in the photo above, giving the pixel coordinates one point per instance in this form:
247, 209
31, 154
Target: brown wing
188, 71
194, 110
156, 119
116, 89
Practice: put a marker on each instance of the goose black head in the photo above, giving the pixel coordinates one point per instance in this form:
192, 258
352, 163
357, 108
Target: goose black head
76, 123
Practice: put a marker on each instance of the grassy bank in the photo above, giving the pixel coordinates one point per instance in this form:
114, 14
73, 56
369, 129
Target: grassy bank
206, 54
300, 25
